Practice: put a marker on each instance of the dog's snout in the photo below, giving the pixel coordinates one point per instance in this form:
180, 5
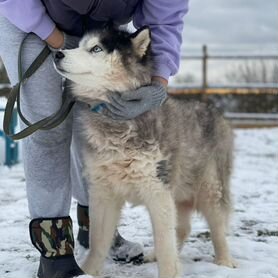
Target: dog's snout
59, 55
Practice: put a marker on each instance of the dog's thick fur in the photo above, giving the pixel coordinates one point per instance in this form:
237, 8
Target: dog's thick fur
174, 160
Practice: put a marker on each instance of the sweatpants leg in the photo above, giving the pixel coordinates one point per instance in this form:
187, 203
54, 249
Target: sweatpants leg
46, 154
79, 182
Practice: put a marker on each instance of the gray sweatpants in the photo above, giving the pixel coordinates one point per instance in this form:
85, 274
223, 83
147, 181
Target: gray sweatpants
52, 159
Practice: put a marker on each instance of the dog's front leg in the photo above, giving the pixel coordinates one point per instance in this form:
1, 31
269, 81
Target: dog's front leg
104, 215
162, 210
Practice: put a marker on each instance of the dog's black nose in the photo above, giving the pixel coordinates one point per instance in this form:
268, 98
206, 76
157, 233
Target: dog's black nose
59, 55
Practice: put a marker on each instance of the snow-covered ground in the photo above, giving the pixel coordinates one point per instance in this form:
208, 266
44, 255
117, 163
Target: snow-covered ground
253, 237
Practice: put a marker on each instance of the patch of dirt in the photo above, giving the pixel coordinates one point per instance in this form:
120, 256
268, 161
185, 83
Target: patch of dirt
204, 235
266, 233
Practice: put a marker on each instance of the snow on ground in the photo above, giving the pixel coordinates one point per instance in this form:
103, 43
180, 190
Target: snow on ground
253, 237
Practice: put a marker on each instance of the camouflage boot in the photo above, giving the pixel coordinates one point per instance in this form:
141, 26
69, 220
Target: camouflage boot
53, 237
122, 250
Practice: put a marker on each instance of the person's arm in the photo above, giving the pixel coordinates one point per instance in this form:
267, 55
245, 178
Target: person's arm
30, 16
165, 19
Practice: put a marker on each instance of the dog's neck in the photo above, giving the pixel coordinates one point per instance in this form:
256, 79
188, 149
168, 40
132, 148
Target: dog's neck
92, 95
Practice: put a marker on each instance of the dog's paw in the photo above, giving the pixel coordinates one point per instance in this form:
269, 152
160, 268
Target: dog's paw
229, 262
88, 269
150, 258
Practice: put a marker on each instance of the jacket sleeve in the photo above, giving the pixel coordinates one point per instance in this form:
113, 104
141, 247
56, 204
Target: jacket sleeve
28, 16
165, 19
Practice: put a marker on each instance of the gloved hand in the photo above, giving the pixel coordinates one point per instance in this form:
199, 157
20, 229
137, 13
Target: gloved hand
130, 104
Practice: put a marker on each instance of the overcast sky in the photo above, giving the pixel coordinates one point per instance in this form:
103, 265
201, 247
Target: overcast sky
232, 22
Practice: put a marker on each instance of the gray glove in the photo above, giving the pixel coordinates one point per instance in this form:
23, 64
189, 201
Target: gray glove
130, 104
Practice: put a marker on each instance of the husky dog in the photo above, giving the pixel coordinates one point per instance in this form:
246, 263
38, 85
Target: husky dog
174, 160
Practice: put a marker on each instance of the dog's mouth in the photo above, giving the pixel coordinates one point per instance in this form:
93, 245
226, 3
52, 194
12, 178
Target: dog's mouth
60, 69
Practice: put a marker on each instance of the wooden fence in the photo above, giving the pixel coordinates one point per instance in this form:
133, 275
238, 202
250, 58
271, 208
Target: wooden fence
238, 120
205, 57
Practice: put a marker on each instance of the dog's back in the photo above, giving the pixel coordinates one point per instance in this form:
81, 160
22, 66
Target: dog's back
196, 138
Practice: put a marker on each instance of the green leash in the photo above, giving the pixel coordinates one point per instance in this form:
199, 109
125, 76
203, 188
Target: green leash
47, 123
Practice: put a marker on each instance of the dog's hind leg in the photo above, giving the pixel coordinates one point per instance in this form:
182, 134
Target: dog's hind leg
184, 211
216, 211
104, 215
162, 210
217, 223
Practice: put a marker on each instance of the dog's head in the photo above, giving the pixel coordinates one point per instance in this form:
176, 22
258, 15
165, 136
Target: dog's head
107, 60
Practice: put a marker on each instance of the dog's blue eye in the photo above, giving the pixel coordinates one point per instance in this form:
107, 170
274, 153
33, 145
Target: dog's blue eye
96, 49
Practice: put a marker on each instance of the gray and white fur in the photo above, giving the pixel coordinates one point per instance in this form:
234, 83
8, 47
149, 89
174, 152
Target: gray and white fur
174, 160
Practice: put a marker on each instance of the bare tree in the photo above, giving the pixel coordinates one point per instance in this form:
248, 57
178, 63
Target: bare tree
254, 72
275, 73
185, 79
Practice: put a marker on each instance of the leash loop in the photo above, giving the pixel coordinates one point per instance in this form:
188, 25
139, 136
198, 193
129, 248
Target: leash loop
47, 123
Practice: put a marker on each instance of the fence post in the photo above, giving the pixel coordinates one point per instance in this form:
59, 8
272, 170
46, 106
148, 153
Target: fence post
205, 58
12, 146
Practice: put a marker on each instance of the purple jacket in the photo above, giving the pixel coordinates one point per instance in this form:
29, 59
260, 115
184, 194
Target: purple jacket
164, 17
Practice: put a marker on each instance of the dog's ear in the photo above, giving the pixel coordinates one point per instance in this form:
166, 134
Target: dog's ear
141, 41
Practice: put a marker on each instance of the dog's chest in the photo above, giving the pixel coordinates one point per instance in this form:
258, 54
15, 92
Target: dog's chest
124, 158
126, 173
